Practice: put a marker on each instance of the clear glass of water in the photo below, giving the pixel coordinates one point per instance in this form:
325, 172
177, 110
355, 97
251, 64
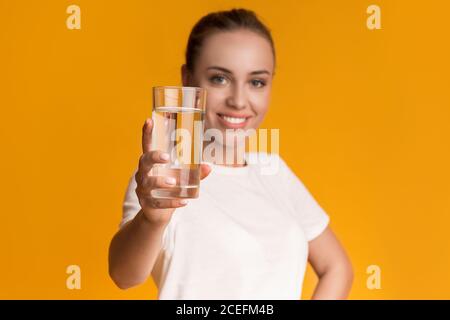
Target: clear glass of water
178, 124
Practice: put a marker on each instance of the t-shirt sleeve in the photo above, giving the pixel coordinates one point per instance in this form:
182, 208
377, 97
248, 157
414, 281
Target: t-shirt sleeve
130, 206
310, 215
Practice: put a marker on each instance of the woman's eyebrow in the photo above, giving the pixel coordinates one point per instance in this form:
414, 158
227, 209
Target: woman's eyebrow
228, 71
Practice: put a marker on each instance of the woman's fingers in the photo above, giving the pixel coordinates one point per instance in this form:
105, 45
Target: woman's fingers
167, 203
205, 170
147, 201
146, 183
161, 182
148, 159
158, 182
147, 135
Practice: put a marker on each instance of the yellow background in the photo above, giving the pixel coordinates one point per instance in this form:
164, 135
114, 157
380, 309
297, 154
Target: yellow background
363, 117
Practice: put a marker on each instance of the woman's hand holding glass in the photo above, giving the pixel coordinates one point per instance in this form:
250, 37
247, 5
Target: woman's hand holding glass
156, 211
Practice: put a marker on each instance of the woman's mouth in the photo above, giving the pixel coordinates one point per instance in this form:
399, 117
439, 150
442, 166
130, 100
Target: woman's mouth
233, 122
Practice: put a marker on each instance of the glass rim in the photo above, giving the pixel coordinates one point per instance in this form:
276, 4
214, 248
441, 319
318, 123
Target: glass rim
179, 87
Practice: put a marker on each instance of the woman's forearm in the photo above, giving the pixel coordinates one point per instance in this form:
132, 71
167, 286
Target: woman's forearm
334, 284
133, 251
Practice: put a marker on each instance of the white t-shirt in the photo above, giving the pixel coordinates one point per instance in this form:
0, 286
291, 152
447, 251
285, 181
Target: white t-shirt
245, 237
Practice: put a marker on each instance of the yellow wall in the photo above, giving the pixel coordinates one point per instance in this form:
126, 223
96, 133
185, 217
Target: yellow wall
363, 117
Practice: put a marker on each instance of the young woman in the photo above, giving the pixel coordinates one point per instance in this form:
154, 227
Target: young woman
248, 235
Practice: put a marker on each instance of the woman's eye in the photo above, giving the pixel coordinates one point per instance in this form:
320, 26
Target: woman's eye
258, 83
218, 79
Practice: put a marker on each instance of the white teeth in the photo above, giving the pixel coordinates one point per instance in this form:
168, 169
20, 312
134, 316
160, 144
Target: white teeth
234, 120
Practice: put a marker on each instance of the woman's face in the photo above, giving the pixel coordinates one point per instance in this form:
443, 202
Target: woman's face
236, 68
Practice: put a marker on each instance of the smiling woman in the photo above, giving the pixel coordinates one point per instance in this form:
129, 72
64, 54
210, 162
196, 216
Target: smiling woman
233, 57
248, 235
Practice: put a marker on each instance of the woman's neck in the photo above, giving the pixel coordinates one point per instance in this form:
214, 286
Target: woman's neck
222, 154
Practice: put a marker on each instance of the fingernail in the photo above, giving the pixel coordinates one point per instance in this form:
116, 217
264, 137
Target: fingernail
148, 121
183, 201
170, 180
164, 156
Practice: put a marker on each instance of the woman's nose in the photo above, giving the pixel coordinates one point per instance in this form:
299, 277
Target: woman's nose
237, 98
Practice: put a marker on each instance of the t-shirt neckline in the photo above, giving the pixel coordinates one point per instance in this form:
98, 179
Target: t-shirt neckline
221, 169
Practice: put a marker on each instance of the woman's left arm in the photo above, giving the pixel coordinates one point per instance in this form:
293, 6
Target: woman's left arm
332, 266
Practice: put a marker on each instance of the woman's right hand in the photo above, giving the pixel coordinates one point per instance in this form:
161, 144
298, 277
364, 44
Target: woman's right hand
156, 211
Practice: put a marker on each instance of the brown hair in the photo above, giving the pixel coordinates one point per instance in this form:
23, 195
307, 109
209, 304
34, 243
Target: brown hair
230, 20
